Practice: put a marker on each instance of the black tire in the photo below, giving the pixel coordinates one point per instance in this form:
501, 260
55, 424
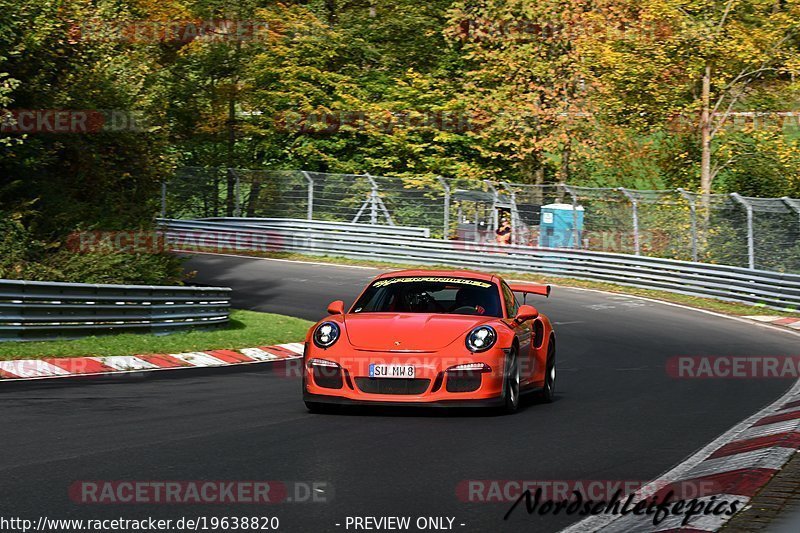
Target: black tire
511, 392
549, 388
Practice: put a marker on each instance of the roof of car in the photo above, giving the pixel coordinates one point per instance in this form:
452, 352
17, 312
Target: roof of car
440, 273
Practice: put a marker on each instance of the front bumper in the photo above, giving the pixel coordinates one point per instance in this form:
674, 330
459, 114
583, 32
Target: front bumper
441, 404
432, 384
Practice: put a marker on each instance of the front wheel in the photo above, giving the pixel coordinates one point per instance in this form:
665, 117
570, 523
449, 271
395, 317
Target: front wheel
511, 384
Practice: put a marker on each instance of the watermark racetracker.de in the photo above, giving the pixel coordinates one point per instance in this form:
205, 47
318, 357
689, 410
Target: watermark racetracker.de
70, 121
734, 367
157, 242
180, 31
198, 492
387, 122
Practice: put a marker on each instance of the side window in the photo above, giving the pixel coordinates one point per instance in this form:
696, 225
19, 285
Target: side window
511, 301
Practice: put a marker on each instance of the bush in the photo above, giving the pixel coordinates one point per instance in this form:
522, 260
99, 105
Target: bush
26, 258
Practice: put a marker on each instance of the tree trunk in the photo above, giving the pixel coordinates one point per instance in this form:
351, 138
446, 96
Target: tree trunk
229, 201
533, 170
705, 136
230, 205
565, 160
539, 175
705, 161
331, 12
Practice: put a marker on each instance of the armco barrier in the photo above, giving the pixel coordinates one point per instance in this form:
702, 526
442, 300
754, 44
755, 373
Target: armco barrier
33, 310
758, 287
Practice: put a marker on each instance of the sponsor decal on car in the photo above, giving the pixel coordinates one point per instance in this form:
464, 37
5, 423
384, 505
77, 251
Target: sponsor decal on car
460, 281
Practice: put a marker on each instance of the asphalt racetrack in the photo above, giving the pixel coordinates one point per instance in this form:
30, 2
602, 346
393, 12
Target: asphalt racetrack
617, 416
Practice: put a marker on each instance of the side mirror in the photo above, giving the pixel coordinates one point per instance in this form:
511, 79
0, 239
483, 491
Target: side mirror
526, 312
336, 308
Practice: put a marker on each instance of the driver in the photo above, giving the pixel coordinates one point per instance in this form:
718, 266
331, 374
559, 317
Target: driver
420, 302
470, 297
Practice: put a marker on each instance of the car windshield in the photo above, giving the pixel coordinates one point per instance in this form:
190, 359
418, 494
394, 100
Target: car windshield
458, 296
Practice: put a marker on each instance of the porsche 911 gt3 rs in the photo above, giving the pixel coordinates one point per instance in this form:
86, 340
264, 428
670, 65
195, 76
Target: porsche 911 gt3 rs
437, 338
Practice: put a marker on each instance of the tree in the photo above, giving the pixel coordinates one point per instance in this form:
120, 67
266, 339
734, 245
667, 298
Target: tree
525, 80
695, 62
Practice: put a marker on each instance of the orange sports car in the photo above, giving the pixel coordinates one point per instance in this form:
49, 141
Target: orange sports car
435, 338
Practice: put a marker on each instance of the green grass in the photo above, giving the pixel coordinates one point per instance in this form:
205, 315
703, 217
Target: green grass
247, 329
720, 306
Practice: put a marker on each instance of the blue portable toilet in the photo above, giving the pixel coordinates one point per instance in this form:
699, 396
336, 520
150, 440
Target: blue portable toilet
556, 229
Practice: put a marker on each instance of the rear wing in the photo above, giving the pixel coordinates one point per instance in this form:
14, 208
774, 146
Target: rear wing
530, 288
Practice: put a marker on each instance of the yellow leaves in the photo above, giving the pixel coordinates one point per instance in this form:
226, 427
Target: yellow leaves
164, 10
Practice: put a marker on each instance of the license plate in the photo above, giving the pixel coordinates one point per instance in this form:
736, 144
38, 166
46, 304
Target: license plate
391, 371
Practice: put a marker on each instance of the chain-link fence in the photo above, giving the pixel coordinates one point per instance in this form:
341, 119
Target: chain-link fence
731, 229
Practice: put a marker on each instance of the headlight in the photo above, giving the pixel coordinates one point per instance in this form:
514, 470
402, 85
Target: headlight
481, 338
326, 334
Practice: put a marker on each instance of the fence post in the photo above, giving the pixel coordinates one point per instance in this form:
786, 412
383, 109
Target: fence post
751, 253
514, 216
693, 217
446, 186
575, 233
310, 215
794, 205
495, 199
237, 204
164, 199
635, 204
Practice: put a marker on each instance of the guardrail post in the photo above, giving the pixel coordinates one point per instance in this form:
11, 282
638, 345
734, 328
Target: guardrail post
693, 218
446, 186
575, 233
635, 204
310, 215
164, 199
751, 252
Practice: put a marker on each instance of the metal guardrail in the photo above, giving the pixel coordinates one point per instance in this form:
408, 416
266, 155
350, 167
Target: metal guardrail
33, 310
757, 287
352, 227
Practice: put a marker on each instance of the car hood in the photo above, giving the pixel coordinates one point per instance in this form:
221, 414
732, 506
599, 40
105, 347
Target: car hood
408, 331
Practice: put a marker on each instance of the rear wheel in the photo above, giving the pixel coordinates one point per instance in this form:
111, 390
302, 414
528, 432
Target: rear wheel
511, 384
549, 389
